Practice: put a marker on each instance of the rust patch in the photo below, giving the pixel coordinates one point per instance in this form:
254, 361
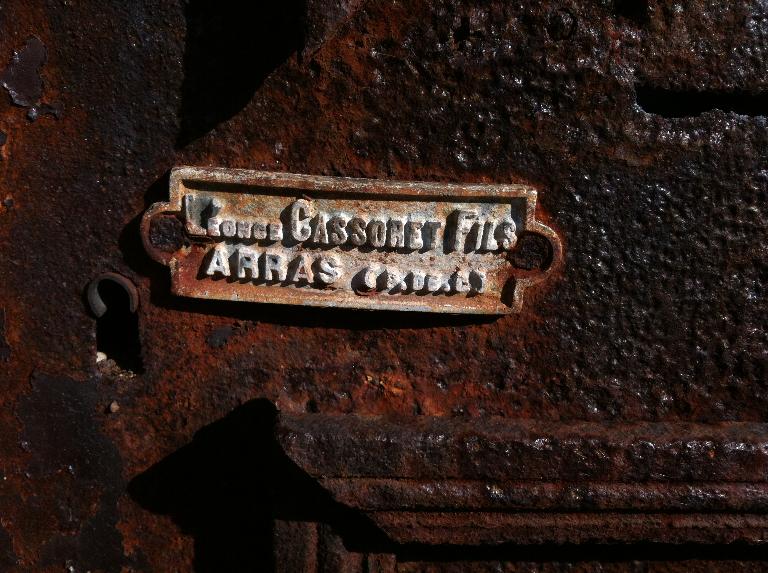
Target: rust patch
23, 80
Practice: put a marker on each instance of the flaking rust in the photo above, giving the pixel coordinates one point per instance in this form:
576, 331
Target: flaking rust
356, 243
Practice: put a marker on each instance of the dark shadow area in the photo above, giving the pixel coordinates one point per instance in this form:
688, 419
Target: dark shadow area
8, 559
226, 487
569, 553
312, 317
674, 104
229, 484
117, 331
634, 10
5, 348
461, 33
231, 48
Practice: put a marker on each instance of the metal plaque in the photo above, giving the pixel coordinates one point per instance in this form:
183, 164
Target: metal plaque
356, 243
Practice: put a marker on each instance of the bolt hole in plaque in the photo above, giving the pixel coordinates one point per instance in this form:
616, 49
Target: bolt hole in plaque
352, 243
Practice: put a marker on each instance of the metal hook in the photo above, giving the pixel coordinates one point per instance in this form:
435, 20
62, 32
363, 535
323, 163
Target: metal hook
96, 303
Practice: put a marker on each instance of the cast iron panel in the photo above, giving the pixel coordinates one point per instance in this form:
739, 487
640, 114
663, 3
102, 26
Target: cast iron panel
641, 125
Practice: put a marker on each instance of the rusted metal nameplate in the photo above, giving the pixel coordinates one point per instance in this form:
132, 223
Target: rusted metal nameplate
356, 243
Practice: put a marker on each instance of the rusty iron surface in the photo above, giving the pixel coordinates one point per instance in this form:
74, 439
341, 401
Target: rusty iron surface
488, 481
642, 126
499, 448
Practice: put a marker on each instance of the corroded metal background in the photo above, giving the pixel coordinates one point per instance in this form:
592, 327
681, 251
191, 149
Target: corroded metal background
641, 123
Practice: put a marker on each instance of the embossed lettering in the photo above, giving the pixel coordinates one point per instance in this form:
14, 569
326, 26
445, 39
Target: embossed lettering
370, 276
417, 280
489, 241
460, 282
218, 263
431, 233
259, 230
377, 233
356, 229
464, 223
433, 283
228, 228
301, 212
213, 227
338, 232
300, 270
274, 267
396, 230
329, 270
413, 234
394, 278
506, 234
275, 231
243, 229
321, 230
247, 260
297, 239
